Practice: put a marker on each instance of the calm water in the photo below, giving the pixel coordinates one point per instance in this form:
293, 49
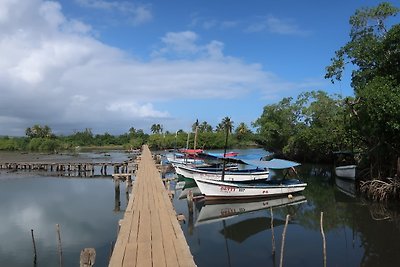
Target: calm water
83, 207
219, 234
239, 234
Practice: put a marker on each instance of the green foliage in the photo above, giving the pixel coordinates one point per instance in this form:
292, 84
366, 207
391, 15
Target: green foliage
226, 123
134, 138
307, 129
44, 144
243, 132
38, 131
13, 143
156, 128
277, 124
374, 51
84, 138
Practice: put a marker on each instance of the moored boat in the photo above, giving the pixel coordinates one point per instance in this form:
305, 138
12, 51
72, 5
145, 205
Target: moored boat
218, 189
346, 171
345, 164
180, 158
230, 175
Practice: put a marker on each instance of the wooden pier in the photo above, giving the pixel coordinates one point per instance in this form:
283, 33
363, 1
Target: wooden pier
150, 234
71, 168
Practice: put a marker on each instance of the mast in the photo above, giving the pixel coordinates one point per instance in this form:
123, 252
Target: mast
195, 134
226, 144
187, 142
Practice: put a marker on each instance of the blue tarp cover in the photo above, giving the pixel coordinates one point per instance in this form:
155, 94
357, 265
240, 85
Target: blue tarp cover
272, 164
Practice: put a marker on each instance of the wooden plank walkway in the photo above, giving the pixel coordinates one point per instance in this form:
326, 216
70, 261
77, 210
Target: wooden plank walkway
150, 234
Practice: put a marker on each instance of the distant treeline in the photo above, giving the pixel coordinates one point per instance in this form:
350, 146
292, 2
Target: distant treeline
41, 138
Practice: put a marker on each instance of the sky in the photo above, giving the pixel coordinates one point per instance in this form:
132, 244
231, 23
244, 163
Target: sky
109, 65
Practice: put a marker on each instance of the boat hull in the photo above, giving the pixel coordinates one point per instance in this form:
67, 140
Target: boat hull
348, 171
217, 189
229, 176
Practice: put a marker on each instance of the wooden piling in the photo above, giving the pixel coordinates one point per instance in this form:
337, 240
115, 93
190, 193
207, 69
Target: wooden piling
88, 257
60, 254
34, 249
323, 237
283, 240
272, 232
117, 203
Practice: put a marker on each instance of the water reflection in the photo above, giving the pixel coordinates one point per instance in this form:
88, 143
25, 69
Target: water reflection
346, 186
358, 233
82, 208
213, 211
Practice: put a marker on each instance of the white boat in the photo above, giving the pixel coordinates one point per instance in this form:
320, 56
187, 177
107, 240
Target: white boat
345, 164
218, 189
346, 171
244, 175
213, 212
178, 158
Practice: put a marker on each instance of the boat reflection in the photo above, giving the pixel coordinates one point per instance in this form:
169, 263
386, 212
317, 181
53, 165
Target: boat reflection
214, 211
346, 186
189, 188
242, 230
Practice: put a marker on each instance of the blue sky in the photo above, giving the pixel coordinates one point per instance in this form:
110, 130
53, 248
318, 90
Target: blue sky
110, 65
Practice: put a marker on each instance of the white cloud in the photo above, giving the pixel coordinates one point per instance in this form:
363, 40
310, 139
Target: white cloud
133, 110
135, 13
180, 42
54, 72
277, 25
184, 44
211, 23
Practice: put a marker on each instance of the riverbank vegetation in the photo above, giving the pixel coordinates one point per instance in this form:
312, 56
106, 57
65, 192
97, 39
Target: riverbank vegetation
374, 55
41, 138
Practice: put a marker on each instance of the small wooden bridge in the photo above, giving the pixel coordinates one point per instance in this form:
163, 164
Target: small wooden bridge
150, 234
71, 168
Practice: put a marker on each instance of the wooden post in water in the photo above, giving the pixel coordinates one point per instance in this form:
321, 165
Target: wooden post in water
59, 245
34, 249
323, 237
272, 233
117, 204
88, 257
283, 240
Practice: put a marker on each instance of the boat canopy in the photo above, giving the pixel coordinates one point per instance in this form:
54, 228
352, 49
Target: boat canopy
277, 164
221, 155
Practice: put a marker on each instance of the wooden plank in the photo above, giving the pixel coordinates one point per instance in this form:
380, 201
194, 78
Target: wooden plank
144, 254
157, 246
168, 239
158, 257
130, 256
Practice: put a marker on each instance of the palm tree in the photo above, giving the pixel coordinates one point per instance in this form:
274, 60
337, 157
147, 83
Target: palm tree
242, 130
195, 125
28, 132
156, 128
39, 131
227, 124
205, 127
